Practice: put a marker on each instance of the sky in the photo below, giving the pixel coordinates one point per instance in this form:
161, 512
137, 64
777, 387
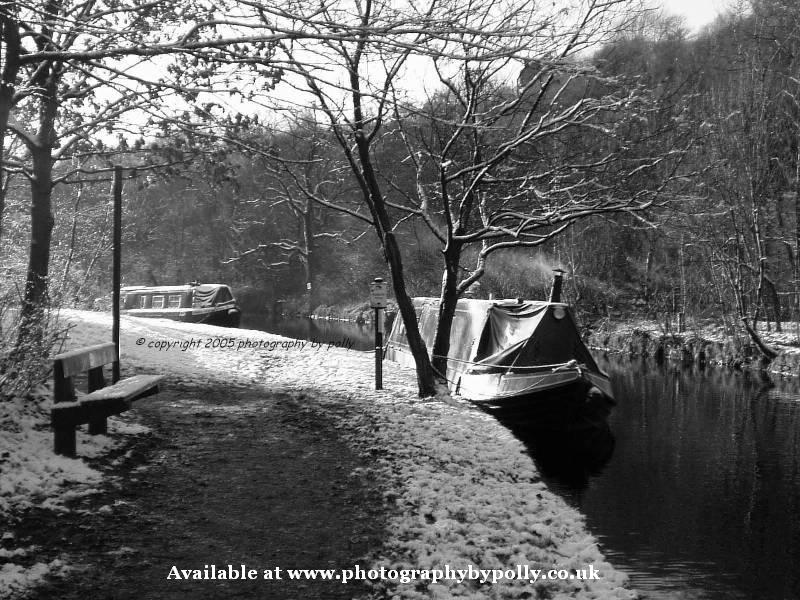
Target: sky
697, 12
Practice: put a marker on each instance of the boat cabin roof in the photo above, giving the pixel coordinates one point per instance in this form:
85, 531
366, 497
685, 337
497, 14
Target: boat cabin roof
172, 289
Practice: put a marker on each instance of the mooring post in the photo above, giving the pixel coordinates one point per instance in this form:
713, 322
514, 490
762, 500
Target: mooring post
378, 348
378, 300
116, 267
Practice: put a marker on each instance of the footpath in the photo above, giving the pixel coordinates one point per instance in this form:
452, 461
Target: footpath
223, 478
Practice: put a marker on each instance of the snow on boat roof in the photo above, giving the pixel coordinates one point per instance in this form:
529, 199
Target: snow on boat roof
475, 302
167, 289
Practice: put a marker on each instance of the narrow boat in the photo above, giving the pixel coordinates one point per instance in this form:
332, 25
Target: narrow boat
523, 361
209, 303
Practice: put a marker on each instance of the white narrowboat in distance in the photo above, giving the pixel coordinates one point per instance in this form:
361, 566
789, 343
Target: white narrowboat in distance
209, 303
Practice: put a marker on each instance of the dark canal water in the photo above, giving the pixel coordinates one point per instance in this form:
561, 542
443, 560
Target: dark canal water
701, 497
694, 487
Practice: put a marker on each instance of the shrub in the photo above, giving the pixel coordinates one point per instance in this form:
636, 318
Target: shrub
25, 356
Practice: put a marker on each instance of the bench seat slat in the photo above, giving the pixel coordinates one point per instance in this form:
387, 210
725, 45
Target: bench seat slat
83, 359
105, 402
126, 389
68, 414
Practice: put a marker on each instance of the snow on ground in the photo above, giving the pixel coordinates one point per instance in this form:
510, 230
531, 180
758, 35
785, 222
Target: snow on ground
32, 475
461, 488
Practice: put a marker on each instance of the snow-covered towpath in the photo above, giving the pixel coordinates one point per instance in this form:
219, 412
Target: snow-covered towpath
460, 492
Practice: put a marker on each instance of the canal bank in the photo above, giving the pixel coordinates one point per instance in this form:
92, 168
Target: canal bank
706, 345
709, 344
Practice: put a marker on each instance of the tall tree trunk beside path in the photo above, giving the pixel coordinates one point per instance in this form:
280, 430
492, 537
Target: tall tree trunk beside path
10, 39
42, 220
377, 203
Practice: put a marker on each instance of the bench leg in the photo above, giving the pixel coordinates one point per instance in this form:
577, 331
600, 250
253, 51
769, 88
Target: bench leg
98, 426
64, 441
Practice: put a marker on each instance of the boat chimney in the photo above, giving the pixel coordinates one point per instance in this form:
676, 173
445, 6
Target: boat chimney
558, 278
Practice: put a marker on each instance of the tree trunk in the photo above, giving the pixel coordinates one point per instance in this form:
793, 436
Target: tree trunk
796, 262
72, 238
42, 219
766, 352
9, 34
682, 313
426, 382
373, 197
648, 273
777, 311
447, 309
309, 255
42, 222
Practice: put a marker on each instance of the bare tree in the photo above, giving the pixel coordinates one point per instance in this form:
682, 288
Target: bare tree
302, 176
515, 169
753, 109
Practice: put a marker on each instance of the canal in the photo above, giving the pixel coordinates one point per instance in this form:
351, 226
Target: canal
701, 498
693, 489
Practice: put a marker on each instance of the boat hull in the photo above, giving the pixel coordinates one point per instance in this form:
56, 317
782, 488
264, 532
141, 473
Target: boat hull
222, 317
569, 400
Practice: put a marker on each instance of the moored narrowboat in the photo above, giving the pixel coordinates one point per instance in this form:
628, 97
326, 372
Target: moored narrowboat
523, 361
209, 303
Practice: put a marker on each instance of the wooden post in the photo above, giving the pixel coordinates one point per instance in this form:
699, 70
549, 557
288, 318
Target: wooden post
96, 381
378, 348
377, 300
64, 437
65, 441
117, 266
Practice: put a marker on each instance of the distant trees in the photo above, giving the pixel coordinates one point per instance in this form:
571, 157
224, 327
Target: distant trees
300, 178
756, 141
729, 242
743, 224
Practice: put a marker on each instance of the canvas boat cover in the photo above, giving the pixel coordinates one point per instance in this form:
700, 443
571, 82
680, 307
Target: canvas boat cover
491, 336
206, 295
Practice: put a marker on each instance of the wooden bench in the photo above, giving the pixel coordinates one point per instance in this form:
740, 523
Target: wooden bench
101, 402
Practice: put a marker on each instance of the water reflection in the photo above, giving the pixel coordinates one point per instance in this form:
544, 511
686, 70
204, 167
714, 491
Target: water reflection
702, 496
568, 457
